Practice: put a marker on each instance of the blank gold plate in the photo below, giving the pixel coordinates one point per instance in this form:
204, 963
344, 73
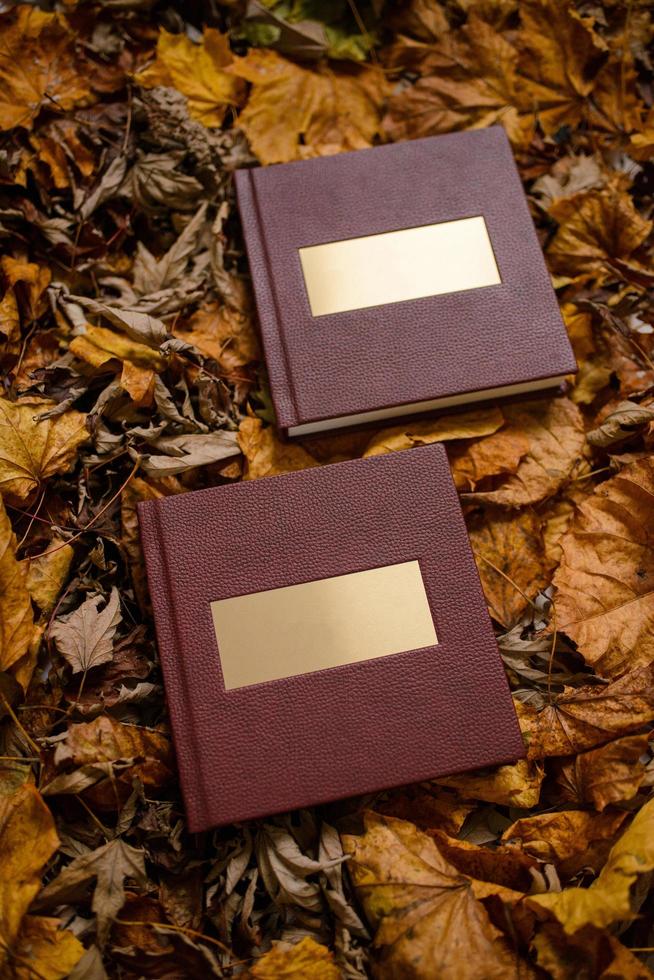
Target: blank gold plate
335, 621
396, 266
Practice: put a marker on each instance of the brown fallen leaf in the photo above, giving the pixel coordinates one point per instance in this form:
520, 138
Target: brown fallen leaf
555, 431
493, 455
516, 785
410, 894
106, 869
99, 346
625, 421
469, 81
38, 66
611, 774
32, 451
610, 898
198, 72
47, 573
326, 110
44, 950
560, 55
136, 491
266, 455
508, 549
27, 282
84, 637
305, 959
605, 582
105, 740
224, 334
504, 866
596, 228
589, 952
583, 717
28, 840
16, 616
570, 839
422, 432
427, 805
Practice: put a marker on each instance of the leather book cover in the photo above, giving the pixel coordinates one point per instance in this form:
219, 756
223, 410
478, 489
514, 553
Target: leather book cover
399, 279
323, 634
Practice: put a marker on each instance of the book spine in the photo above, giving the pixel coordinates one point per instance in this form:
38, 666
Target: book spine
270, 320
169, 643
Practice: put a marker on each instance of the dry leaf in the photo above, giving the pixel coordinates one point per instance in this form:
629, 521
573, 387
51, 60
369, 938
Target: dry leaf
496, 454
30, 450
516, 785
555, 432
609, 899
16, 617
47, 573
85, 636
583, 717
45, 951
468, 425
596, 229
508, 549
307, 959
97, 346
198, 72
38, 67
326, 110
266, 455
427, 805
611, 774
411, 894
507, 867
224, 334
604, 596
108, 867
560, 55
571, 839
28, 840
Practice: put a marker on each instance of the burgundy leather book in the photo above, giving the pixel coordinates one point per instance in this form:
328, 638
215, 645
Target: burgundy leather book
401, 279
323, 634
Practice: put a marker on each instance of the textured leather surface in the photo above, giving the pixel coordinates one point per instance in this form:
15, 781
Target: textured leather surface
333, 733
399, 353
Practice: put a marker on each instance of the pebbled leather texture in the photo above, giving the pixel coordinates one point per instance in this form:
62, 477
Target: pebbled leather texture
321, 736
399, 353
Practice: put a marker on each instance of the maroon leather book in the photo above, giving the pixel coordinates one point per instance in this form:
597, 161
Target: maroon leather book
323, 634
401, 279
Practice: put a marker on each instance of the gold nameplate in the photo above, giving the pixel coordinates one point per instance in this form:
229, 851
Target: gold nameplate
399, 265
347, 619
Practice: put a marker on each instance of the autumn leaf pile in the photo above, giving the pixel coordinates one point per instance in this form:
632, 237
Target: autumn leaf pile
132, 370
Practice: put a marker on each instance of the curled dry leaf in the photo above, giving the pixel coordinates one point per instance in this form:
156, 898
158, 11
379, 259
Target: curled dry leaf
198, 72
493, 455
16, 617
45, 950
306, 959
508, 548
611, 774
605, 583
32, 450
38, 66
570, 840
468, 425
624, 422
223, 334
504, 866
516, 785
106, 869
28, 840
596, 228
47, 573
326, 110
555, 432
266, 455
583, 717
85, 636
610, 898
182, 453
411, 893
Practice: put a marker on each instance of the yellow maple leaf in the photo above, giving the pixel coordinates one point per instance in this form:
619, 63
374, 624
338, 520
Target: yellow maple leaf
16, 619
38, 66
31, 451
266, 455
295, 112
306, 960
45, 950
198, 72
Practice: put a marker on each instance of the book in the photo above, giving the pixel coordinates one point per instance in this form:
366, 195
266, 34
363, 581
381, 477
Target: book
323, 634
398, 280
